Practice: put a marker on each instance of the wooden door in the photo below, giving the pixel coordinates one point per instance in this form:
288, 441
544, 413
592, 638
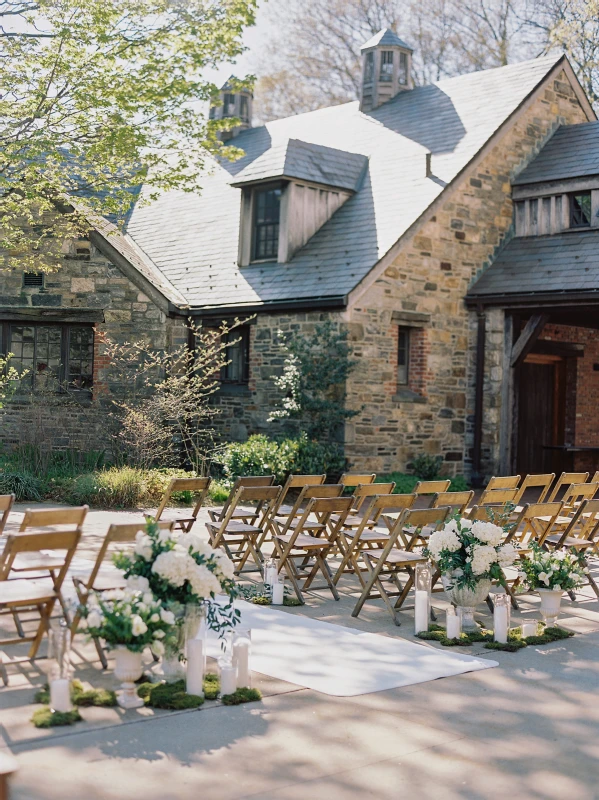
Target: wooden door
541, 414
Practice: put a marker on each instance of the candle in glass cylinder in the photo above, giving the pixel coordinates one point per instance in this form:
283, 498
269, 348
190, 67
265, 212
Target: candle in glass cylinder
501, 618
60, 694
242, 645
278, 594
529, 629
195, 667
421, 611
228, 678
452, 624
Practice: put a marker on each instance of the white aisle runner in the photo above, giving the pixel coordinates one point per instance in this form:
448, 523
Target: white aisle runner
340, 661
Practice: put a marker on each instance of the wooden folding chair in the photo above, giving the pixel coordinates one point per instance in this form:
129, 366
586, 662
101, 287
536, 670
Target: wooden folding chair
247, 515
497, 497
541, 482
197, 487
565, 480
299, 543
574, 495
353, 479
384, 565
284, 507
95, 581
432, 487
6, 504
24, 594
361, 494
458, 502
581, 535
48, 520
368, 534
504, 482
239, 539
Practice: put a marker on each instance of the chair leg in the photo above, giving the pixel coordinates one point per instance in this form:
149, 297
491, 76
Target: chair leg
3, 672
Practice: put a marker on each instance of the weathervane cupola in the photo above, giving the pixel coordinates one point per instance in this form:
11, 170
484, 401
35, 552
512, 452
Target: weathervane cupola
386, 69
235, 101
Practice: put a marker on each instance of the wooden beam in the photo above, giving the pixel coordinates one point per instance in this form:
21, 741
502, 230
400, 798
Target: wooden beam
528, 337
477, 477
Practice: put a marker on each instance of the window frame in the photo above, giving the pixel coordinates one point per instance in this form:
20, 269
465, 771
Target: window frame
386, 76
244, 108
64, 385
369, 67
403, 69
403, 331
255, 258
572, 212
228, 101
243, 335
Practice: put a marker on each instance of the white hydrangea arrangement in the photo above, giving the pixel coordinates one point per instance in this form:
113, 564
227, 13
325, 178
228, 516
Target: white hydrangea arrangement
131, 617
469, 552
560, 570
181, 568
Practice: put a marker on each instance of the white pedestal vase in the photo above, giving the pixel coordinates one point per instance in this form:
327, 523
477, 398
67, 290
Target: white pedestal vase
466, 599
128, 669
550, 605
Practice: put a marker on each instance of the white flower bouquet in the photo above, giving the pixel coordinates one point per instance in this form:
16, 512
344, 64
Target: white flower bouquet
131, 617
180, 568
468, 552
559, 570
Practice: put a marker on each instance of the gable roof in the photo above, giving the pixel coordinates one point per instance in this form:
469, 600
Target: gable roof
572, 152
385, 38
307, 162
193, 238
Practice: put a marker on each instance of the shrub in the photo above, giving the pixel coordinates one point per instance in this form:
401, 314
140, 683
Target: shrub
405, 484
426, 466
23, 485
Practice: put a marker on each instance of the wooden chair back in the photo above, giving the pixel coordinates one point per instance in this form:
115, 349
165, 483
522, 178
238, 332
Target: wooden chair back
324, 508
497, 497
353, 479
70, 517
264, 496
63, 541
504, 482
566, 479
534, 522
457, 501
577, 492
432, 487
542, 482
584, 526
595, 478
6, 504
197, 486
246, 480
308, 493
414, 519
363, 491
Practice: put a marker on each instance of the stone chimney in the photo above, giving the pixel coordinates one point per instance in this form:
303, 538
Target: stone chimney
234, 102
386, 69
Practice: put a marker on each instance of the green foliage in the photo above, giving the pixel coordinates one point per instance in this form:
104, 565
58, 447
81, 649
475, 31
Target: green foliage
261, 455
559, 569
170, 696
426, 467
104, 698
313, 383
22, 485
243, 695
84, 84
211, 686
405, 484
46, 718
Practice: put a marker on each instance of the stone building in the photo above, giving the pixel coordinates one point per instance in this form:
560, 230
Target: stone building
391, 216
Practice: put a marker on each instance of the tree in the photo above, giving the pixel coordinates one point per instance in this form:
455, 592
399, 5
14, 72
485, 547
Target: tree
97, 96
314, 381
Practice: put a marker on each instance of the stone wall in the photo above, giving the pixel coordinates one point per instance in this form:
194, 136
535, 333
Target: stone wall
87, 282
431, 276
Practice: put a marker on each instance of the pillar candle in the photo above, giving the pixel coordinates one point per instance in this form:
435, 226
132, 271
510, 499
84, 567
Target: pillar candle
278, 594
500, 623
529, 629
421, 611
60, 695
270, 575
241, 660
228, 679
452, 624
195, 667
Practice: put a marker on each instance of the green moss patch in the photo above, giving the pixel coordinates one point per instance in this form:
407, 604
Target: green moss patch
170, 696
46, 718
243, 695
211, 686
103, 698
515, 641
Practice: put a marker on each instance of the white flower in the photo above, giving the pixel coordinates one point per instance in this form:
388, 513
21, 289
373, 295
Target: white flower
155, 618
137, 583
157, 648
224, 565
167, 616
138, 626
203, 582
94, 619
143, 545
482, 558
159, 634
506, 555
113, 594
192, 542
142, 608
466, 524
173, 566
487, 532
164, 535
544, 577
149, 599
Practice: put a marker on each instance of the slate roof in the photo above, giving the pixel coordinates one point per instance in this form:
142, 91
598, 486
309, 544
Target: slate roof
308, 162
193, 238
386, 37
566, 262
572, 152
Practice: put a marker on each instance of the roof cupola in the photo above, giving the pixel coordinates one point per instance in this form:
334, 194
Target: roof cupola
386, 69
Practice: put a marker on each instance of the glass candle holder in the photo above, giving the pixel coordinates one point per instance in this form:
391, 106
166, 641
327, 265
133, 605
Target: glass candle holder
60, 666
501, 617
453, 627
422, 596
195, 648
228, 672
195, 621
270, 571
242, 649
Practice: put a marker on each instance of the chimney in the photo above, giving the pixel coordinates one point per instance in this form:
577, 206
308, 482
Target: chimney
235, 101
386, 69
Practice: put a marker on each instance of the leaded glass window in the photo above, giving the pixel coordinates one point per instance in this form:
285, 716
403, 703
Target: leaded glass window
267, 208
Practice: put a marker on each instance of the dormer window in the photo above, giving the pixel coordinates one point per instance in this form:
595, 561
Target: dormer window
580, 210
402, 74
229, 105
387, 66
369, 68
267, 210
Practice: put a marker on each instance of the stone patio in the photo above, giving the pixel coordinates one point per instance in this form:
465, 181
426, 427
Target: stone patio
527, 728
